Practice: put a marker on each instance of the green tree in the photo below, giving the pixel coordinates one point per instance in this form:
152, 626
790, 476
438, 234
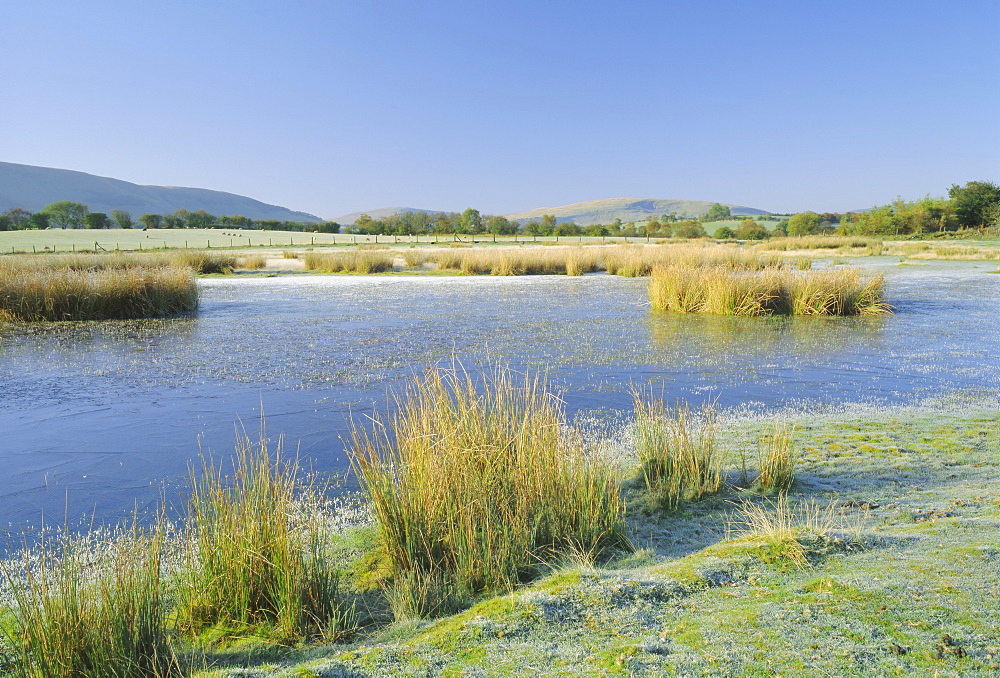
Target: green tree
567, 228
200, 219
500, 225
240, 221
95, 220
751, 230
39, 220
122, 219
975, 203
151, 220
19, 218
470, 222
723, 233
66, 214
717, 212
689, 229
803, 223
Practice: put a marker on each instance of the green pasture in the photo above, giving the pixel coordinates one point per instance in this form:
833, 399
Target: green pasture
76, 240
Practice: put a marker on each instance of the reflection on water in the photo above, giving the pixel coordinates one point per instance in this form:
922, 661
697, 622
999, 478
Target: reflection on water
99, 414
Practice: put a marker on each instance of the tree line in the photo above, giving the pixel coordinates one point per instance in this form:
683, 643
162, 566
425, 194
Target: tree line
976, 205
69, 214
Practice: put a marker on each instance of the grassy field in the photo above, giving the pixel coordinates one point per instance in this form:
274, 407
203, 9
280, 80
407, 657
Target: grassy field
69, 240
883, 560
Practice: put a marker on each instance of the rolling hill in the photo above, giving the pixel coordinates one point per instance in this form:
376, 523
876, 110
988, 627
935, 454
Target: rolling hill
33, 188
626, 209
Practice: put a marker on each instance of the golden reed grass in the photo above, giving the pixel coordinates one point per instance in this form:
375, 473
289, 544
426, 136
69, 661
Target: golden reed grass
350, 261
39, 294
474, 484
723, 291
677, 452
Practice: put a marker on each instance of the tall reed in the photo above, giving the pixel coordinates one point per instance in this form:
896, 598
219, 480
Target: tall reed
724, 291
775, 461
86, 609
677, 451
474, 485
249, 564
37, 294
352, 261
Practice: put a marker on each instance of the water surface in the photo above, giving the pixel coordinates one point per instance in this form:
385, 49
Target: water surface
99, 416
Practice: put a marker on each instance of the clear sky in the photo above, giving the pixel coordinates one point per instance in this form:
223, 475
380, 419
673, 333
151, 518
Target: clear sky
334, 107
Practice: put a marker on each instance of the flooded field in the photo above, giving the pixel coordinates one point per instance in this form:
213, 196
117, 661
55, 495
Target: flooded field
99, 417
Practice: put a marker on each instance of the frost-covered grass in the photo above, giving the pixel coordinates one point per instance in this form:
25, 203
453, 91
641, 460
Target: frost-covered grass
882, 560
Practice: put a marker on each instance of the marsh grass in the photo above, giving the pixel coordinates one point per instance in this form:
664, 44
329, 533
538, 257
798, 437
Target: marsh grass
86, 609
204, 263
871, 246
474, 483
251, 563
353, 261
41, 294
677, 451
781, 533
288, 254
775, 461
723, 291
253, 262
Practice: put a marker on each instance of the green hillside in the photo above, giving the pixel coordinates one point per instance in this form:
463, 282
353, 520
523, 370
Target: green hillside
626, 209
33, 188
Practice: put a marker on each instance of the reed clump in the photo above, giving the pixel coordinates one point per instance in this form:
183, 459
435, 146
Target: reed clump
46, 294
677, 451
353, 261
724, 291
872, 246
474, 485
775, 461
204, 263
253, 262
249, 563
81, 609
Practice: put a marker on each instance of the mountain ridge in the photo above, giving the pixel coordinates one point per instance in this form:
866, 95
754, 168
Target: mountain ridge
33, 187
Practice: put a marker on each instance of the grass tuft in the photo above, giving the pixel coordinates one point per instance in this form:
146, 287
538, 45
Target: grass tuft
251, 563
723, 291
81, 611
677, 450
775, 462
46, 294
354, 261
475, 484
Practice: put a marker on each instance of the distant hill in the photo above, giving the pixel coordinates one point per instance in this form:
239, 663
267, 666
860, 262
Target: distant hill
33, 188
380, 212
626, 209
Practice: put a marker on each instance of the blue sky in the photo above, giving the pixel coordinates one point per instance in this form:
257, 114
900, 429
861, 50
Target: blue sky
334, 107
